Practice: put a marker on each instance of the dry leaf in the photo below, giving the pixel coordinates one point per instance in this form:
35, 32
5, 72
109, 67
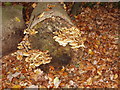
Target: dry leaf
51, 68
56, 82
16, 86
16, 74
62, 84
90, 52
89, 81
99, 72
17, 19
33, 86
115, 76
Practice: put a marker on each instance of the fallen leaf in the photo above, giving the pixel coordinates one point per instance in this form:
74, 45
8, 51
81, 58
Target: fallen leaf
71, 82
62, 84
51, 68
56, 82
99, 72
89, 81
10, 77
51, 76
33, 86
115, 76
17, 19
90, 52
23, 71
64, 74
16, 74
16, 86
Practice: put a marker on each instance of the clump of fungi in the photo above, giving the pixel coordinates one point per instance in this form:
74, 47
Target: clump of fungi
37, 58
69, 36
33, 57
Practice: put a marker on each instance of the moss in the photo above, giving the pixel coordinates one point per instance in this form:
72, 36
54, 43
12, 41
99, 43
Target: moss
7, 3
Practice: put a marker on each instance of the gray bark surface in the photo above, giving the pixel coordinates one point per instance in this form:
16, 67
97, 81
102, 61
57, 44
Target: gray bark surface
12, 28
55, 11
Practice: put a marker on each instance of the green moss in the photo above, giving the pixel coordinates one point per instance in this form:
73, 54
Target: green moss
7, 3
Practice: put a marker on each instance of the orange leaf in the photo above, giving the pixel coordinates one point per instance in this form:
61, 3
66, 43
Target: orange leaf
63, 69
89, 68
52, 68
51, 76
90, 52
23, 71
62, 84
65, 73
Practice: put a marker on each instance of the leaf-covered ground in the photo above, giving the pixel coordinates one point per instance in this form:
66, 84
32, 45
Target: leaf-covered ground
96, 68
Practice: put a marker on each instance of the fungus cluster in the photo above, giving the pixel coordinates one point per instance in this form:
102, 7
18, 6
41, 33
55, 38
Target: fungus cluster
71, 36
24, 44
33, 57
30, 31
37, 57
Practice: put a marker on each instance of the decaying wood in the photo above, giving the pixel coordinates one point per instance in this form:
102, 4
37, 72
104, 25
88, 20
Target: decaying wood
46, 22
76, 8
12, 28
48, 10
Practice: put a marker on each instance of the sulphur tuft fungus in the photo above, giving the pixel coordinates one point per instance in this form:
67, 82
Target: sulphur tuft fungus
37, 58
71, 36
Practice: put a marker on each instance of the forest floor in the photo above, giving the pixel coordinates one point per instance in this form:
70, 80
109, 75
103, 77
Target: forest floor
97, 68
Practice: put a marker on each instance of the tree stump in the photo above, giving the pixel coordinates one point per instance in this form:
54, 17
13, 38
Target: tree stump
47, 18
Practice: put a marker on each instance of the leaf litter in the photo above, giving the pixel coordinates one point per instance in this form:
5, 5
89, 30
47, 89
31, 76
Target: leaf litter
97, 68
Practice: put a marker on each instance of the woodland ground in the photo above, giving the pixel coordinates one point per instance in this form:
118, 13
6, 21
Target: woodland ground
98, 66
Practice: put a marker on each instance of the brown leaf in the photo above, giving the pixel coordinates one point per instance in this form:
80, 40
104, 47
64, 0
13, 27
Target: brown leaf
62, 84
23, 71
51, 68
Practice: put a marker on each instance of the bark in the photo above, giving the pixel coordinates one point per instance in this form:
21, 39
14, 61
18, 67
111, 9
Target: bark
54, 10
12, 28
76, 8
